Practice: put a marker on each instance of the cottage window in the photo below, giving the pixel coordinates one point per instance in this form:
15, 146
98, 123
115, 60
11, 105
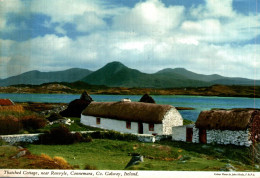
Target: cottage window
98, 120
128, 125
151, 127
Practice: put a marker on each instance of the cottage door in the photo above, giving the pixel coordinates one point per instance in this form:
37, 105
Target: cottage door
140, 128
189, 133
202, 136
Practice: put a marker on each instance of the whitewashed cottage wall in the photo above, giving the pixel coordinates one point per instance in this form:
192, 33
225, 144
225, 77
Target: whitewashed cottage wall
119, 125
179, 133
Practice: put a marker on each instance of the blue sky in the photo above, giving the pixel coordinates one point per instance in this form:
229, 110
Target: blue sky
204, 36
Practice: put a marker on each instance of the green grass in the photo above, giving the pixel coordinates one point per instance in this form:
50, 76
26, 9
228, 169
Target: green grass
76, 126
187, 122
107, 154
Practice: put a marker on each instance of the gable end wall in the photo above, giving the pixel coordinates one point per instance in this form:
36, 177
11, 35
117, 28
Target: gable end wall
172, 118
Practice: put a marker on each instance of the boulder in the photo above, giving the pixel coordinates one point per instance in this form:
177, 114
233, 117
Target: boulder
54, 117
136, 159
76, 106
85, 96
147, 99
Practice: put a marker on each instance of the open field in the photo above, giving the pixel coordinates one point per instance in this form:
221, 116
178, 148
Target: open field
166, 155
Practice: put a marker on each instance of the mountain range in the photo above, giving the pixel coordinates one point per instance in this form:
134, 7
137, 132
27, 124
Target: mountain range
36, 77
116, 74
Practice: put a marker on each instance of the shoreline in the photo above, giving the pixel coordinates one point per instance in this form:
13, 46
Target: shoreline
211, 91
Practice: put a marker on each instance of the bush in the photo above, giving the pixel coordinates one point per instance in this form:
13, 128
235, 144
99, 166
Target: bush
54, 117
112, 135
10, 125
13, 108
89, 167
61, 136
33, 122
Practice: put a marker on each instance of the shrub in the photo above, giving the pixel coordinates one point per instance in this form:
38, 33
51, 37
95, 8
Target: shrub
46, 162
2, 142
10, 125
112, 135
33, 122
54, 117
89, 167
60, 135
13, 108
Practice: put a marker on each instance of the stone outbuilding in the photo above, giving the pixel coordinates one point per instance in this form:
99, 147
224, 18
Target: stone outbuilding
132, 117
234, 126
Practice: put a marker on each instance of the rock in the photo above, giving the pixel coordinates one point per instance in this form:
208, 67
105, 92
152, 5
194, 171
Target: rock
219, 150
20, 147
205, 146
76, 107
54, 117
135, 160
20, 154
85, 96
147, 99
229, 167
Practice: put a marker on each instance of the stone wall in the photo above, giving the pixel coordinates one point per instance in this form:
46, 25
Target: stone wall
172, 118
240, 138
20, 138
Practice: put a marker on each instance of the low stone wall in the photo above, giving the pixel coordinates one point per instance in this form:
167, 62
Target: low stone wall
30, 138
20, 138
146, 138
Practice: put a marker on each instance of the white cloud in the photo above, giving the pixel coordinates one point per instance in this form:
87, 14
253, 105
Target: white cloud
214, 8
11, 6
89, 21
150, 17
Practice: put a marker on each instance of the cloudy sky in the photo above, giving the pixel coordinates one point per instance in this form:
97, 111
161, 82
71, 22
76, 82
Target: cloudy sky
204, 36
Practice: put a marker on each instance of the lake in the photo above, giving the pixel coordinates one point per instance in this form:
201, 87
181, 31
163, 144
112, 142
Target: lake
200, 103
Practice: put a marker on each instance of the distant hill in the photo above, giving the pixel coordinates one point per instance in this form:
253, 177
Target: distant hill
36, 77
115, 74
190, 75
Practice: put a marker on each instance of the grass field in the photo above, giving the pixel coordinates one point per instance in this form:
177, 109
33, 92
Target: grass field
107, 154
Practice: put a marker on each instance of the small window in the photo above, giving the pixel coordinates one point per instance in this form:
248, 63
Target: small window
151, 127
97, 120
128, 125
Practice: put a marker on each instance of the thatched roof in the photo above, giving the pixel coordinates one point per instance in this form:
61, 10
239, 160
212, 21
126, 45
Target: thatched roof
6, 102
129, 111
234, 119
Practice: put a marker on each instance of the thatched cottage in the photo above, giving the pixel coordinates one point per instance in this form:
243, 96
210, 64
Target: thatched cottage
235, 126
132, 117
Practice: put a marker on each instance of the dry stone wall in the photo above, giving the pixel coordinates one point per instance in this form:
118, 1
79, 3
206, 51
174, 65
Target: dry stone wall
240, 138
20, 138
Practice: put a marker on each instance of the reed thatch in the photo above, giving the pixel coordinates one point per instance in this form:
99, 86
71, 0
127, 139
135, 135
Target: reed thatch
128, 111
6, 102
234, 119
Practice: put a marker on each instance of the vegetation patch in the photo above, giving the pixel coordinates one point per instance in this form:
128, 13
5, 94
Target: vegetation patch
106, 154
29, 161
61, 136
